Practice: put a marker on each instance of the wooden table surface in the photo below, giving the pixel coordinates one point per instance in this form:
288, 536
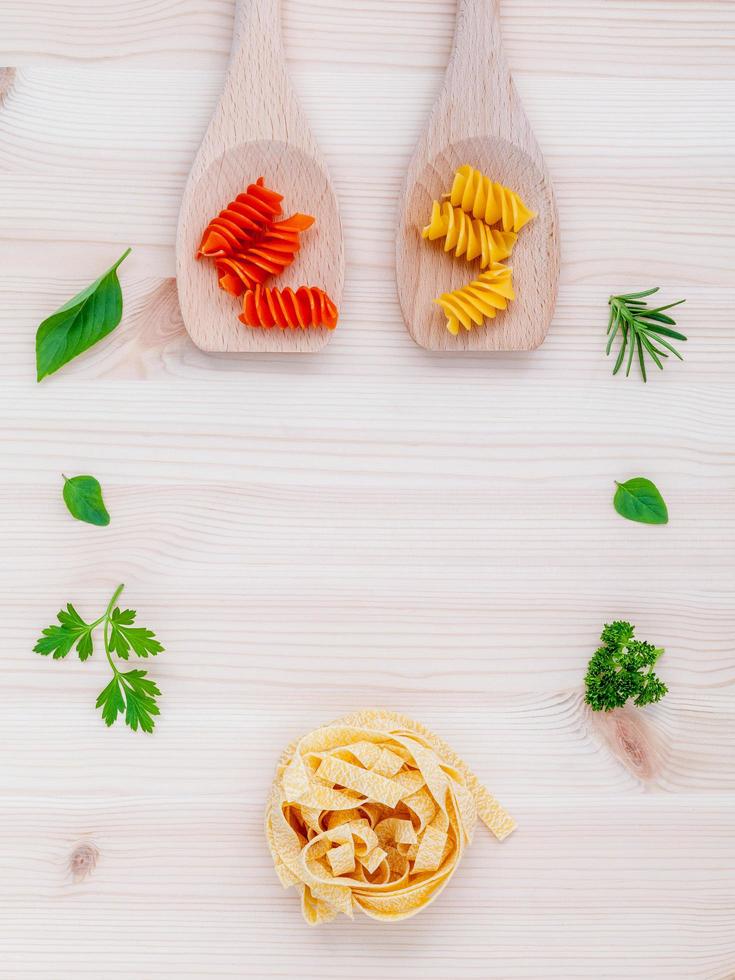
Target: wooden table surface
374, 525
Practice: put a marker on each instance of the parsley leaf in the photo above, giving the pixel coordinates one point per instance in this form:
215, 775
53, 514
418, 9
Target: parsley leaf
622, 668
124, 636
58, 640
111, 701
134, 694
141, 695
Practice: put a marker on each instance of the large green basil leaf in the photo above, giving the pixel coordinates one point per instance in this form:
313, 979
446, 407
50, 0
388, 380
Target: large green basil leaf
80, 323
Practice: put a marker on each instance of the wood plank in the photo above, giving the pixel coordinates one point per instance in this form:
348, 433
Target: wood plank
191, 868
151, 343
683, 745
613, 38
384, 527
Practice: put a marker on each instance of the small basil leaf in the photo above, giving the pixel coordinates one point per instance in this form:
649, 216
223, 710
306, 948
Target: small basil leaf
83, 498
80, 323
639, 500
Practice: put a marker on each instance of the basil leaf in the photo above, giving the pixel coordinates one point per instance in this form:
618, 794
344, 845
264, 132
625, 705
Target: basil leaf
83, 498
639, 500
80, 323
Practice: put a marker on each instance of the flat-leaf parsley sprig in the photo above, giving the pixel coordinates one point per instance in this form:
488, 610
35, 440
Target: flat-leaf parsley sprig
129, 692
641, 329
622, 668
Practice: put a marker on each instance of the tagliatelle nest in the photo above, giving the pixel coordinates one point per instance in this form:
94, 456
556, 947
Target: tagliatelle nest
373, 812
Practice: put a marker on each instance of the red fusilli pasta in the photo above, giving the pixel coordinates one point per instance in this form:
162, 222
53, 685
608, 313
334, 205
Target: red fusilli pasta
248, 245
268, 255
307, 307
241, 222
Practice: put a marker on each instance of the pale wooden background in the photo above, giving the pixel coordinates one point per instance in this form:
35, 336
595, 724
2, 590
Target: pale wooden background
375, 525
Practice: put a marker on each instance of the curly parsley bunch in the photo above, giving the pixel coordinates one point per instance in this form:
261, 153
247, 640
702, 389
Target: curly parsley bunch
622, 668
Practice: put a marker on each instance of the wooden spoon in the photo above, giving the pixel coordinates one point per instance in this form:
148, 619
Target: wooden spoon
258, 129
478, 119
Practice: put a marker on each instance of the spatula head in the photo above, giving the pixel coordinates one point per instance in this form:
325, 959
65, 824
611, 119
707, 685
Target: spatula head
424, 270
210, 314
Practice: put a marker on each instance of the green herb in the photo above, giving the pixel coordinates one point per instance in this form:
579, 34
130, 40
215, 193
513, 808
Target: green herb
83, 498
124, 636
639, 500
128, 691
58, 640
622, 668
80, 323
642, 331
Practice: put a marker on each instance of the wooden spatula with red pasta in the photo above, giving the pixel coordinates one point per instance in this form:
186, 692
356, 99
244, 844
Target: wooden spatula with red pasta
249, 242
259, 242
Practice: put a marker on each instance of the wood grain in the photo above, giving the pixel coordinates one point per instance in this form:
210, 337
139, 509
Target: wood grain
378, 525
258, 130
168, 868
478, 120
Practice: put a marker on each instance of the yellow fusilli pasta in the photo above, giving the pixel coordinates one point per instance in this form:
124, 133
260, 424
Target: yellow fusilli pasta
467, 236
479, 300
481, 197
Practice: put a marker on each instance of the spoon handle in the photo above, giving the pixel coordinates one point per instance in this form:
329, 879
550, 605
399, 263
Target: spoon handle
256, 20
257, 55
479, 97
258, 100
477, 35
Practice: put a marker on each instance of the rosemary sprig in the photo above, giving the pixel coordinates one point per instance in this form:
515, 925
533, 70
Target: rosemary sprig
641, 329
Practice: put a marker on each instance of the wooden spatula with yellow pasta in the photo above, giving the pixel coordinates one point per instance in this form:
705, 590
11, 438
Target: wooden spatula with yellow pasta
479, 151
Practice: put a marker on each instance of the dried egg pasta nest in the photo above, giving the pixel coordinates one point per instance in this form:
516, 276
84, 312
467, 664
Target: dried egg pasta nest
373, 812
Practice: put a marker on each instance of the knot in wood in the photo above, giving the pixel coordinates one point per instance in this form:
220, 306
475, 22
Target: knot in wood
83, 860
7, 78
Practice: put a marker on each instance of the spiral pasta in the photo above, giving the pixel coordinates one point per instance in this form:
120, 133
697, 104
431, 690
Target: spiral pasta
307, 307
373, 812
467, 236
268, 255
241, 222
248, 245
479, 300
476, 194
